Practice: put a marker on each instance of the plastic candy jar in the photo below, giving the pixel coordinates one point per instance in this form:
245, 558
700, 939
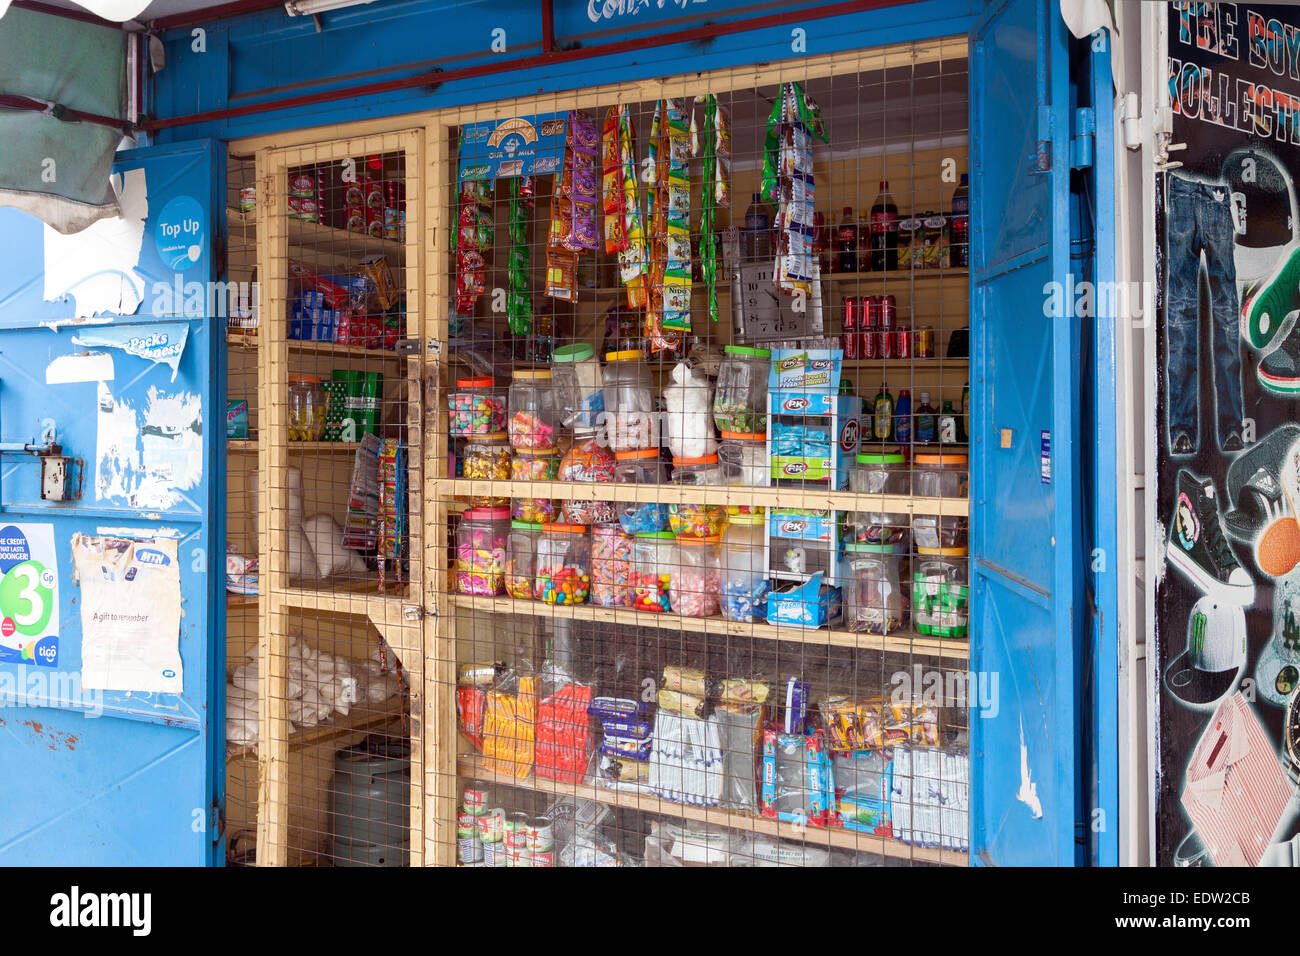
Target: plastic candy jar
740, 398
533, 416
941, 476
653, 563
586, 461
873, 595
641, 468
481, 551
487, 458
745, 585
698, 520
521, 558
940, 593
630, 418
611, 566
306, 408
577, 378
534, 466
476, 408
563, 564
697, 580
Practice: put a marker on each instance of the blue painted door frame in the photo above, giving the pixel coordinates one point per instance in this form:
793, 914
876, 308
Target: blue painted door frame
120, 776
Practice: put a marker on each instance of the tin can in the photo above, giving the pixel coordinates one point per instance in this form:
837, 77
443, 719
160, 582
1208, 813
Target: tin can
543, 857
473, 799
903, 343
888, 311
248, 199
888, 343
538, 834
925, 347
516, 827
468, 845
870, 343
518, 856
851, 336
302, 186
871, 311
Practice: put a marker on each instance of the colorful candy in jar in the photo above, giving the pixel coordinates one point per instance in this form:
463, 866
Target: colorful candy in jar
475, 409
697, 521
611, 567
563, 555
528, 431
533, 510
481, 552
696, 583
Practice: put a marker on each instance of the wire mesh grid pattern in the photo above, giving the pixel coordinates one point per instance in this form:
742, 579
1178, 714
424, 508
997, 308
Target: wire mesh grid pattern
704, 567
623, 600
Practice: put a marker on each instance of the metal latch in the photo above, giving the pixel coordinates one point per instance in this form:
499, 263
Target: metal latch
1082, 143
413, 612
61, 475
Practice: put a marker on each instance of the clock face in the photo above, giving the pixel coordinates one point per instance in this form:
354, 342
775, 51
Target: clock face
1291, 728
765, 314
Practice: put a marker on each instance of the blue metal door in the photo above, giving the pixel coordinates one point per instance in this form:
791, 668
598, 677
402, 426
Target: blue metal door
129, 771
1023, 566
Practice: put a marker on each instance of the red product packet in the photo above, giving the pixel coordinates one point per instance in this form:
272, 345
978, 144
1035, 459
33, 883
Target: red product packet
564, 735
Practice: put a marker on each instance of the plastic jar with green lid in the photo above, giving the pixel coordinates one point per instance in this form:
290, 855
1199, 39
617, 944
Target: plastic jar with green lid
941, 592
873, 596
740, 398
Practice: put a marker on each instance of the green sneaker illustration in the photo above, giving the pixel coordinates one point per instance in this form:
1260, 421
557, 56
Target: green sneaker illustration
1270, 300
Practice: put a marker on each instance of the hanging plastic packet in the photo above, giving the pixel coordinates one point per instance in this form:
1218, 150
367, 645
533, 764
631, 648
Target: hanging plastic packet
519, 301
669, 307
583, 147
715, 148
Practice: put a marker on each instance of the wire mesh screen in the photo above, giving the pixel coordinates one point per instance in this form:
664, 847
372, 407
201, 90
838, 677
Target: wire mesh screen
703, 570
326, 472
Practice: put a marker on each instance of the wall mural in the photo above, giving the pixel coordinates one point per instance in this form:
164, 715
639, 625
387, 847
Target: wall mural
1227, 647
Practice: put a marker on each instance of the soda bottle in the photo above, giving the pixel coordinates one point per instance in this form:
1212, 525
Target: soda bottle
884, 231
846, 243
757, 243
821, 245
961, 224
925, 424
903, 418
883, 413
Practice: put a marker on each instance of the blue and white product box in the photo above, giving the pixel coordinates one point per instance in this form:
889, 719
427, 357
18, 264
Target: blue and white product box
803, 542
805, 370
820, 415
865, 779
812, 604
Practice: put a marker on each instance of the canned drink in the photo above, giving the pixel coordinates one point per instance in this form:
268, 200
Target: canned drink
871, 311
903, 345
851, 336
888, 310
538, 835
888, 343
925, 347
543, 857
473, 798
870, 343
518, 856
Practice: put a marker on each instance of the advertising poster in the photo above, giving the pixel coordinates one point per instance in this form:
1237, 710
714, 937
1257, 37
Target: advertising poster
1227, 539
29, 595
518, 146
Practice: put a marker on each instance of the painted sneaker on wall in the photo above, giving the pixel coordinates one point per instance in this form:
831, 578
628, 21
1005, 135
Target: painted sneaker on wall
1269, 301
1279, 370
1198, 548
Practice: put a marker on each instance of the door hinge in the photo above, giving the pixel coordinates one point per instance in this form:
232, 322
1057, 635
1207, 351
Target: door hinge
1083, 140
1042, 159
216, 821
1130, 120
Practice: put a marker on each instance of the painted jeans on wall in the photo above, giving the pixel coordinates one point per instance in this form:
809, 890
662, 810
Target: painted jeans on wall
1200, 221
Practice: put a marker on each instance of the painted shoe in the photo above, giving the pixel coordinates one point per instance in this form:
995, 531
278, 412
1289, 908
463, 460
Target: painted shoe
1270, 300
1279, 370
1197, 547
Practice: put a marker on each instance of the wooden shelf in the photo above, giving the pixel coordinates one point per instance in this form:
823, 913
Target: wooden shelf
249, 446
920, 365
359, 720
245, 342
903, 641
240, 600
472, 767
784, 497
898, 276
316, 237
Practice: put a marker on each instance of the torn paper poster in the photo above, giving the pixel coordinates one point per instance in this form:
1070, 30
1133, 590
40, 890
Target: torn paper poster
148, 459
29, 595
161, 342
130, 613
84, 367
97, 265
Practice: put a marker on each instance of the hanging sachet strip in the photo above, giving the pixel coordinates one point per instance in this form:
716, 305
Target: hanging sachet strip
796, 265
624, 220
392, 507
669, 310
519, 302
716, 194
474, 229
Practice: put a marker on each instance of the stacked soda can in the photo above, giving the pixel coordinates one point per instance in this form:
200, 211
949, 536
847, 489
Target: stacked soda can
492, 835
469, 833
539, 841
516, 840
